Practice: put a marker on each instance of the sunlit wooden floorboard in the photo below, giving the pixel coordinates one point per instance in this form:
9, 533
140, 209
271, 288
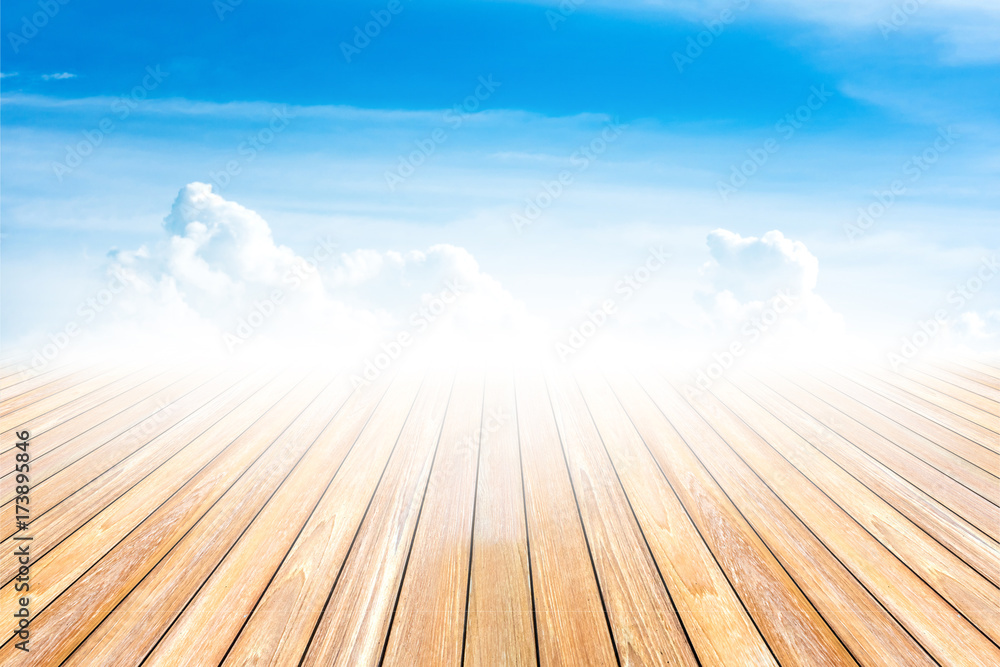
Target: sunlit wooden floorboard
200, 516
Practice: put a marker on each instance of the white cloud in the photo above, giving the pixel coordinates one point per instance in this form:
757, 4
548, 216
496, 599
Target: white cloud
754, 269
219, 281
58, 76
979, 327
967, 28
755, 279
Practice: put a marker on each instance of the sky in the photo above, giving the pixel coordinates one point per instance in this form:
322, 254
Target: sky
840, 151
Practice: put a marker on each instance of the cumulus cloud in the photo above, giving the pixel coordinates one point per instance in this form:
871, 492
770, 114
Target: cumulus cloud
977, 330
218, 281
754, 269
757, 279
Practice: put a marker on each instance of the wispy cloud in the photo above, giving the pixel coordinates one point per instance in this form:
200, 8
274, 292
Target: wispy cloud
58, 76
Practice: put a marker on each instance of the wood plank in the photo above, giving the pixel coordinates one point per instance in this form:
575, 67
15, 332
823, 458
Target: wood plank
978, 378
150, 418
954, 415
281, 625
20, 383
898, 466
49, 412
79, 429
30, 395
967, 590
428, 623
956, 386
720, 629
77, 501
13, 364
134, 497
89, 583
924, 430
969, 405
866, 628
353, 627
942, 630
500, 618
962, 377
511, 518
292, 467
989, 371
571, 623
793, 628
643, 619
59, 392
24, 374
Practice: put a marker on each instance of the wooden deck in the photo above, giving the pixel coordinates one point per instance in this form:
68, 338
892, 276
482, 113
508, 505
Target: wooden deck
206, 517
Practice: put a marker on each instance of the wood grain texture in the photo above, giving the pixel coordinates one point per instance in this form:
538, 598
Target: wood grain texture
954, 387
721, 631
959, 376
965, 588
357, 615
982, 373
79, 428
913, 419
19, 383
79, 501
924, 493
571, 624
967, 405
644, 621
281, 626
969, 422
793, 628
238, 516
925, 613
428, 622
500, 619
873, 636
80, 460
146, 529
161, 617
53, 410
29, 395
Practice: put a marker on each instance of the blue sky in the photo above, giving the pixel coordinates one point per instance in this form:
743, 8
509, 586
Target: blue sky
891, 82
